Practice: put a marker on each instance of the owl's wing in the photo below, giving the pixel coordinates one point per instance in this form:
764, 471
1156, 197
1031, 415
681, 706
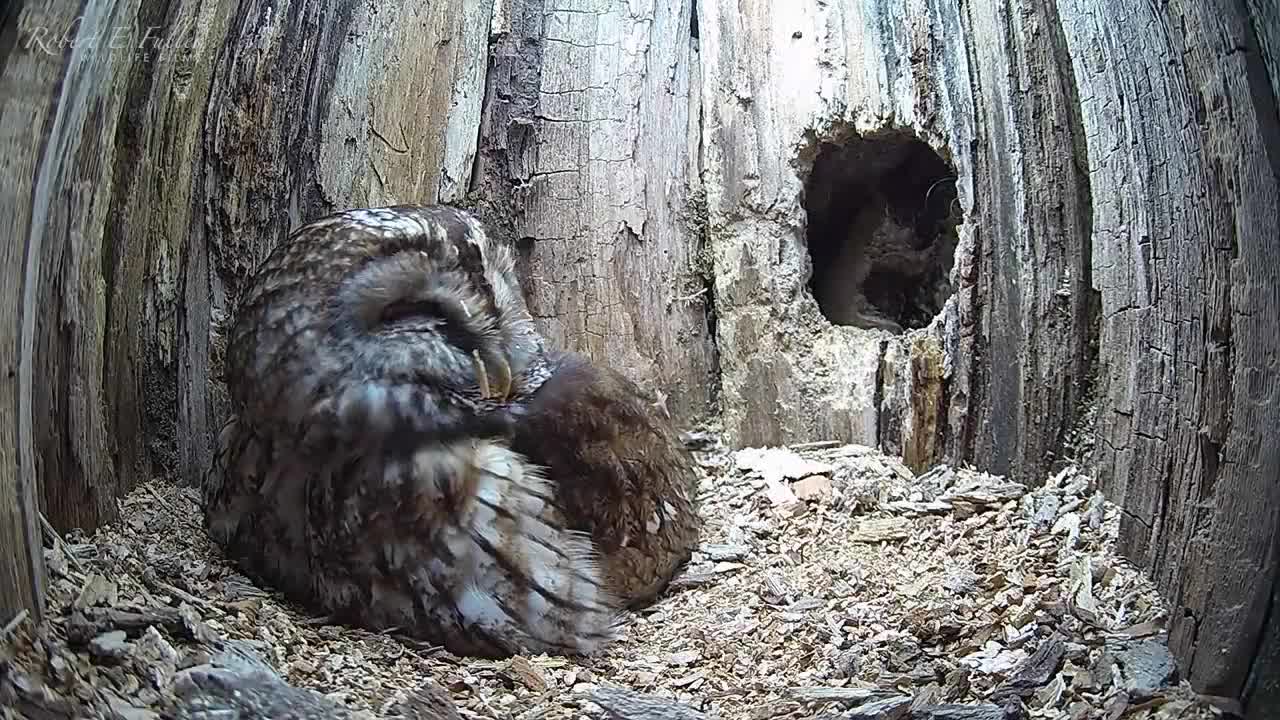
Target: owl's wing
457, 542
619, 471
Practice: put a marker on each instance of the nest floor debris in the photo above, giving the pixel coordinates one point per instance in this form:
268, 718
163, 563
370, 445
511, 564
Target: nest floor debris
831, 582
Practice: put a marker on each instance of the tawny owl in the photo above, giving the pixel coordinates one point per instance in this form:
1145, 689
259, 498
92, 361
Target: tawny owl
396, 454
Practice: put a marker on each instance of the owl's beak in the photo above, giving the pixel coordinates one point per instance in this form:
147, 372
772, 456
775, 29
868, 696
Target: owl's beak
493, 377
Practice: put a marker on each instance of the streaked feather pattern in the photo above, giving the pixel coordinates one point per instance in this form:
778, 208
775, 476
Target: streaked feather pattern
380, 368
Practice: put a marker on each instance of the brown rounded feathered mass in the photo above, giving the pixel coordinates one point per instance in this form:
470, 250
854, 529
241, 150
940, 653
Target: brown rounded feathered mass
620, 471
404, 451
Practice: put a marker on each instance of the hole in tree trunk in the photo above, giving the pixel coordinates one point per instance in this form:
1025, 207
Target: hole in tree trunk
882, 217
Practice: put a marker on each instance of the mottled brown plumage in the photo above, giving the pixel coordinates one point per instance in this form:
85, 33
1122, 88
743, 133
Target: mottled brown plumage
621, 472
381, 366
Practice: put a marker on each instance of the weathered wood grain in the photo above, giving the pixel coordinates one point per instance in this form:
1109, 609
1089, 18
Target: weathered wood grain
1029, 364
160, 292
1262, 689
1264, 23
589, 128
1183, 144
70, 206
29, 88
316, 106
777, 79
322, 105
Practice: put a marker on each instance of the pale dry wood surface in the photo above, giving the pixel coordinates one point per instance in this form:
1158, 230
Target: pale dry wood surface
591, 145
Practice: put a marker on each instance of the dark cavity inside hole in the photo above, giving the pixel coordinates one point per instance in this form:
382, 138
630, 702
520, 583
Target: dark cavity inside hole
882, 217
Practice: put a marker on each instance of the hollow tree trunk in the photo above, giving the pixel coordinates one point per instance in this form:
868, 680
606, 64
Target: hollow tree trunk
585, 160
681, 182
1116, 271
1188, 262
589, 150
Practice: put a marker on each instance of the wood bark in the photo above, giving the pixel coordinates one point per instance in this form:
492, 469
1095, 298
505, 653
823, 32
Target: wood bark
1184, 135
1117, 265
27, 106
75, 348
589, 148
1114, 277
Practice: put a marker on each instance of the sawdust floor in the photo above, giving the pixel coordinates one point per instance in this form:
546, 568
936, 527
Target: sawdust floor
831, 583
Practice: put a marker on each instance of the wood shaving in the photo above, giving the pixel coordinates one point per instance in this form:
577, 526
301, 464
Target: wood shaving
831, 582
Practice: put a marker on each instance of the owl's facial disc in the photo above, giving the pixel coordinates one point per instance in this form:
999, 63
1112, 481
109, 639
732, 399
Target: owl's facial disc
426, 309
453, 321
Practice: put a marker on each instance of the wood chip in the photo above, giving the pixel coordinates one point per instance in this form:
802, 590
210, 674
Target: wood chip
881, 530
933, 606
779, 463
893, 707
723, 551
814, 487
1041, 666
985, 711
622, 704
97, 591
1141, 630
528, 674
835, 694
686, 657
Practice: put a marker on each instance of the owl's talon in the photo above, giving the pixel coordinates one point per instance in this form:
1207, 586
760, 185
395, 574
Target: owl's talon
493, 377
503, 388
482, 375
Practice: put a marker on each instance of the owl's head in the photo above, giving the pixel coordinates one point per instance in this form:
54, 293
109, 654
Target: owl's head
383, 321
